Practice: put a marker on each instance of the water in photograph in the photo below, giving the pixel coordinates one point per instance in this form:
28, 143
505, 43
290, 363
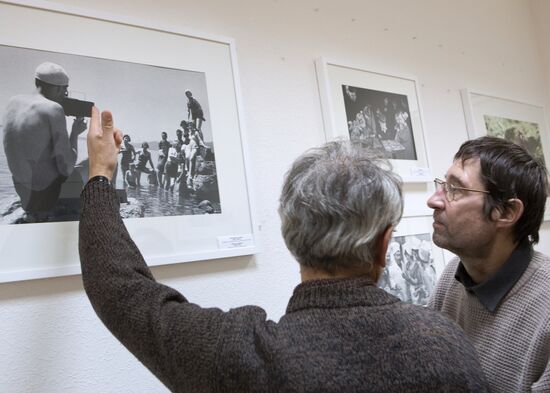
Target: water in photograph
7, 192
156, 201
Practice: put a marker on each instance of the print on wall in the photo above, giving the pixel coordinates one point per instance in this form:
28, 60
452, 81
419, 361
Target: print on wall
413, 262
516, 121
381, 119
523, 133
166, 164
410, 271
181, 175
379, 108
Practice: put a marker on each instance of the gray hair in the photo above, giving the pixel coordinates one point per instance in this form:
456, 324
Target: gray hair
336, 202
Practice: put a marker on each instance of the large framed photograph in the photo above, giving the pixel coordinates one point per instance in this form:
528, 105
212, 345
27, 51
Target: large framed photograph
379, 108
181, 175
515, 121
413, 262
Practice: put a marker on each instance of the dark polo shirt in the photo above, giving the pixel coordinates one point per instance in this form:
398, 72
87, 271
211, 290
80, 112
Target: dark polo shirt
491, 292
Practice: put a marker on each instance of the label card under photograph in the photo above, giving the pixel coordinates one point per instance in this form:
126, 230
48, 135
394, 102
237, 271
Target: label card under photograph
237, 241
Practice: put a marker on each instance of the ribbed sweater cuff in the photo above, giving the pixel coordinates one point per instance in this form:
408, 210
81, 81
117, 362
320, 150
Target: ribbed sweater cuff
99, 195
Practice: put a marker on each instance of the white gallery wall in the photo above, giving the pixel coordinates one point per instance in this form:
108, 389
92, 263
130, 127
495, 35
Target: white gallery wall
50, 338
541, 11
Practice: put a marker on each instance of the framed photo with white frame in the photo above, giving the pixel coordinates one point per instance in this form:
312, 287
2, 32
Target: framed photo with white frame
379, 108
182, 173
515, 121
413, 262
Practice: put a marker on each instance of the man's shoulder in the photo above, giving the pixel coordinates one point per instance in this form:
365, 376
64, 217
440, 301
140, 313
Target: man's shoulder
537, 276
447, 287
429, 316
541, 262
447, 277
427, 322
36, 103
20, 103
26, 111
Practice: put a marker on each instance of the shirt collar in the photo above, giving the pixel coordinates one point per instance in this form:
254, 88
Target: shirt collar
491, 292
337, 293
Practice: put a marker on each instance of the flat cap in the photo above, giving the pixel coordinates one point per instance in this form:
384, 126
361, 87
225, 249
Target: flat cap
52, 73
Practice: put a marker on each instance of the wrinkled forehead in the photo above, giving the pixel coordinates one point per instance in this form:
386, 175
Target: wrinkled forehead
465, 173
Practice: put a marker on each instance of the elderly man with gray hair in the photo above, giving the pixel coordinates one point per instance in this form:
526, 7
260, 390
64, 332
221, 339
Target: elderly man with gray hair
340, 332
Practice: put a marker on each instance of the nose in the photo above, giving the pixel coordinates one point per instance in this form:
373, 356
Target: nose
437, 200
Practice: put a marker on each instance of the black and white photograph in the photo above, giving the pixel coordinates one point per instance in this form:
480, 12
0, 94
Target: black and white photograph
167, 163
182, 172
382, 119
411, 271
380, 108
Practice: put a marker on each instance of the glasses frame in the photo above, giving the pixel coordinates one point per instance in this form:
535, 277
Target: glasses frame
450, 189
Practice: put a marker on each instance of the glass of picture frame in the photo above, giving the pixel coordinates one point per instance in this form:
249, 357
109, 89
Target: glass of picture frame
513, 120
379, 108
141, 72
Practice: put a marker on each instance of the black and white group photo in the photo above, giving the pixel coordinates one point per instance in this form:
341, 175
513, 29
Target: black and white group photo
410, 272
166, 163
382, 119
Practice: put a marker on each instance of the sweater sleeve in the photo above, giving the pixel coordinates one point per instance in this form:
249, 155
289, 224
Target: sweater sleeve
175, 339
543, 383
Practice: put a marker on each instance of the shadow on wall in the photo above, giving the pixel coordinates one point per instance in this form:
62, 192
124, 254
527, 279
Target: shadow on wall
67, 284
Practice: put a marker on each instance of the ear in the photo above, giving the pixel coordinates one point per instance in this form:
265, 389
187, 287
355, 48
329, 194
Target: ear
383, 242
510, 214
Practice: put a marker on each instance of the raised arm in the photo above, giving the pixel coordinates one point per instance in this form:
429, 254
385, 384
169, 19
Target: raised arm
175, 339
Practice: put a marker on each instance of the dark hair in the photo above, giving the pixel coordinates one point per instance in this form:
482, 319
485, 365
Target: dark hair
42, 84
509, 171
45, 85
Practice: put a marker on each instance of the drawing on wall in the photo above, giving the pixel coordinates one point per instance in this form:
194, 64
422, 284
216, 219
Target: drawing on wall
166, 166
410, 273
523, 133
382, 119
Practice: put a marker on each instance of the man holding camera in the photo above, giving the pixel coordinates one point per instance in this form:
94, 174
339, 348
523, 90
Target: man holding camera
40, 152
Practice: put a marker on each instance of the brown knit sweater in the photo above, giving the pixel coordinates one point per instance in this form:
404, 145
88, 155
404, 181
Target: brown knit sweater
513, 342
341, 335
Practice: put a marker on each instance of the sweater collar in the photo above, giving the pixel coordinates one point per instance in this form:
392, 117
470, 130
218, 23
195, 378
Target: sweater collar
491, 292
338, 293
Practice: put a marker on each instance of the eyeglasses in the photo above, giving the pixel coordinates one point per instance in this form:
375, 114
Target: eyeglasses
451, 190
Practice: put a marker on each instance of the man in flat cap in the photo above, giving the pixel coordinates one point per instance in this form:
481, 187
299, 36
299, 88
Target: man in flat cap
40, 152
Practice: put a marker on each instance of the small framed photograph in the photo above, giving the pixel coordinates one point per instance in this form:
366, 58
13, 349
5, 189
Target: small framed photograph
182, 175
379, 108
519, 122
413, 262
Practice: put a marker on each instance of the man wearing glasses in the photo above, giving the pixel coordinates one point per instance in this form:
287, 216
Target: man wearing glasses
340, 333
488, 211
